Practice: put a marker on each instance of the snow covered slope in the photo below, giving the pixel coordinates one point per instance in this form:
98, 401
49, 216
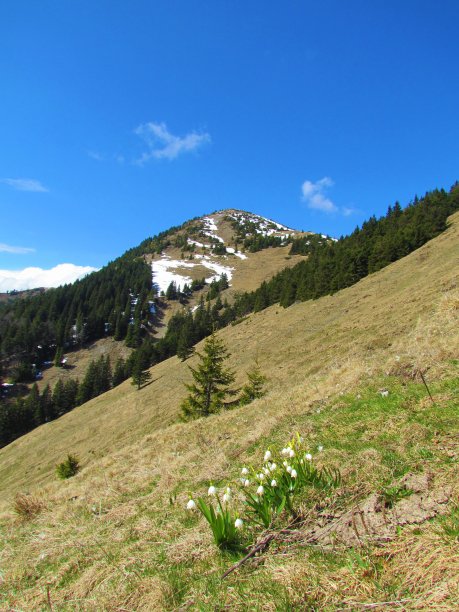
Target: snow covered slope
214, 245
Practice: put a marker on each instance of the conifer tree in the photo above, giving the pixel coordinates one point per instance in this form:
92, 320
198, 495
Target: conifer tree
211, 380
59, 397
119, 374
58, 357
254, 388
140, 374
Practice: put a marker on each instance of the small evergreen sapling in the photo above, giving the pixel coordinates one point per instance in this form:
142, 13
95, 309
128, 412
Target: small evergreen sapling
254, 388
211, 381
68, 468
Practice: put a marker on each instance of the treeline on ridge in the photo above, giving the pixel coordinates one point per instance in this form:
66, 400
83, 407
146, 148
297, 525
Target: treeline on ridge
329, 267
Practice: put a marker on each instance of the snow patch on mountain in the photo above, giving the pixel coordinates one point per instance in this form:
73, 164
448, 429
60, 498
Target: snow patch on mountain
163, 276
211, 228
167, 270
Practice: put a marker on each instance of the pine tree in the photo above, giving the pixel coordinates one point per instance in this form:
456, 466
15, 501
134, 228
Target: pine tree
58, 357
254, 388
47, 404
119, 375
211, 381
59, 397
140, 375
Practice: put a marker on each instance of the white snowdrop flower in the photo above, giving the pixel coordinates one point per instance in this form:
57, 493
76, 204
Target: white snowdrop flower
228, 491
212, 491
226, 498
260, 490
320, 448
308, 456
273, 467
266, 471
244, 471
261, 476
291, 453
285, 464
238, 523
191, 505
274, 483
293, 474
246, 483
384, 393
284, 452
289, 469
268, 455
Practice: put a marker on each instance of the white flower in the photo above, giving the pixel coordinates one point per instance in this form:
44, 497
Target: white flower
268, 455
228, 491
266, 471
238, 523
246, 483
293, 474
320, 448
384, 393
226, 498
261, 476
191, 505
291, 453
274, 483
285, 464
260, 490
212, 491
284, 452
244, 471
308, 456
273, 467
289, 469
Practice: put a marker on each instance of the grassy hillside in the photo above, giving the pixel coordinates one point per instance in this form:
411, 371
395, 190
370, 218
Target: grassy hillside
116, 536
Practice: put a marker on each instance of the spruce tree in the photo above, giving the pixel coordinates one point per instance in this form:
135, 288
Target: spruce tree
254, 388
211, 380
119, 375
140, 375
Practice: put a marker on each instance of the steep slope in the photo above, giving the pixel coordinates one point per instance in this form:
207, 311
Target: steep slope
330, 339
116, 535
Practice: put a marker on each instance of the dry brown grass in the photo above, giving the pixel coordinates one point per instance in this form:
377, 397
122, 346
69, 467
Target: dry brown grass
110, 538
27, 506
79, 360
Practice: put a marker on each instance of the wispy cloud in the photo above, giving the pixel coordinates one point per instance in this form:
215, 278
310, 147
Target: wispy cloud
31, 278
314, 195
99, 157
96, 155
7, 248
23, 184
164, 145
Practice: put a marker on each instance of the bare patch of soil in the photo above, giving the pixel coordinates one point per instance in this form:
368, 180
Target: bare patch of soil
411, 501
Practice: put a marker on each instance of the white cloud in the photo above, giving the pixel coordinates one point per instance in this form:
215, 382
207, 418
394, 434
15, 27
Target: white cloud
164, 145
96, 155
30, 278
313, 195
23, 184
7, 248
348, 211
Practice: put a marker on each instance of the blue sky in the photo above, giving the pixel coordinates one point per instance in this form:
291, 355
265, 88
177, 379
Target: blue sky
119, 119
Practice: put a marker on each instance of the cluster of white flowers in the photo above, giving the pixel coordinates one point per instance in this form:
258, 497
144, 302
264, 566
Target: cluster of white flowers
269, 476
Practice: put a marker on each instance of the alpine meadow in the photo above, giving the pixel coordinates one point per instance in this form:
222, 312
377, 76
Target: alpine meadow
229, 306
